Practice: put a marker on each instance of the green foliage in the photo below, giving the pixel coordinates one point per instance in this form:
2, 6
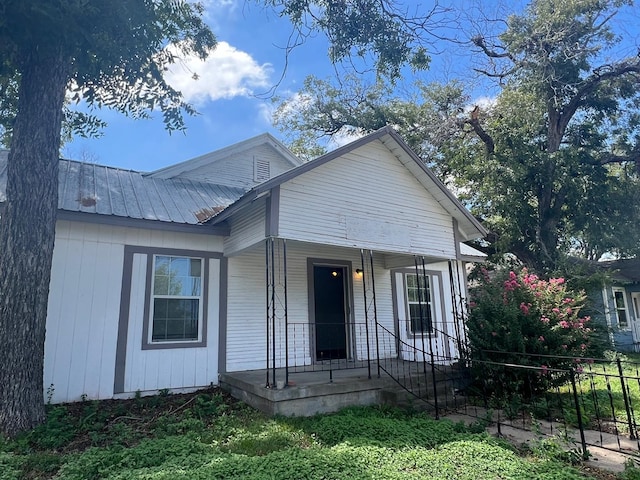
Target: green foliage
533, 323
548, 164
117, 50
367, 30
631, 471
227, 440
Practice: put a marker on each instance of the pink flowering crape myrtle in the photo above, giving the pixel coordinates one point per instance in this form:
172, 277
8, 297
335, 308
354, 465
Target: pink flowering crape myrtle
527, 319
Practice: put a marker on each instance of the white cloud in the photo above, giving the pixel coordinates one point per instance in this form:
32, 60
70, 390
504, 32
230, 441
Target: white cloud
226, 73
343, 137
485, 103
265, 112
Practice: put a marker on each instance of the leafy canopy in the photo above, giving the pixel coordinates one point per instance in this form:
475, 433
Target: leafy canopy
118, 51
550, 164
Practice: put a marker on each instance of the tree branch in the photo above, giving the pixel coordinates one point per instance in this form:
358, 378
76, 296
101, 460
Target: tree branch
474, 121
600, 75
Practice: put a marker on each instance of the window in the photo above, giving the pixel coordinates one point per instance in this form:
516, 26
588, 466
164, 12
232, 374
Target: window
176, 307
419, 303
621, 307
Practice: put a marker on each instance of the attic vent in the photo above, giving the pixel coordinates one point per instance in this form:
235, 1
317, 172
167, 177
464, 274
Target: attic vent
261, 170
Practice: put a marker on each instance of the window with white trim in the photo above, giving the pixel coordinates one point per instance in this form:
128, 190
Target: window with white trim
419, 303
621, 307
177, 299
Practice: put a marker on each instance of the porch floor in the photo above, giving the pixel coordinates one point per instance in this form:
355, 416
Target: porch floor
317, 389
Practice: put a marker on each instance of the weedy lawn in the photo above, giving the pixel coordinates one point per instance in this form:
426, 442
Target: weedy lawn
208, 435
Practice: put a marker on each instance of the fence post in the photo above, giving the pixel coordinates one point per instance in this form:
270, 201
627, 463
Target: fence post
585, 453
626, 399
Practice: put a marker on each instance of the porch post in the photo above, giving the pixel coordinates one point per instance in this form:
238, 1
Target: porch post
435, 333
366, 316
375, 310
286, 315
268, 306
456, 311
273, 310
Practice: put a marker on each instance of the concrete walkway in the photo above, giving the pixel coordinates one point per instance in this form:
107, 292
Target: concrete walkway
605, 452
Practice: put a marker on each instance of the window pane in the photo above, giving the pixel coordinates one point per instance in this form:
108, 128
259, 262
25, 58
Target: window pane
419, 298
420, 325
619, 296
175, 319
161, 276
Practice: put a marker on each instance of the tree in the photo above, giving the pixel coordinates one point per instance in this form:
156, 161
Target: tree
108, 53
551, 165
383, 35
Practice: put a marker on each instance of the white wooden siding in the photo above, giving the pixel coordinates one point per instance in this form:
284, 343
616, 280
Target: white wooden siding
84, 303
148, 370
246, 315
365, 199
246, 229
237, 170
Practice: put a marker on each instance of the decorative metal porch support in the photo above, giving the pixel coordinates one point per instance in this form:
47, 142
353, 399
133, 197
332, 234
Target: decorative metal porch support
422, 306
458, 301
370, 306
277, 308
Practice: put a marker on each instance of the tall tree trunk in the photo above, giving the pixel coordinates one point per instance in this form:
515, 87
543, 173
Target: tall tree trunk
27, 232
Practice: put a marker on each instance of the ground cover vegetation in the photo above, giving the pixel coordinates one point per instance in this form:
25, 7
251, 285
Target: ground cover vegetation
209, 435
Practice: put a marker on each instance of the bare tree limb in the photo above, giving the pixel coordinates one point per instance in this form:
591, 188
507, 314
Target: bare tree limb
474, 121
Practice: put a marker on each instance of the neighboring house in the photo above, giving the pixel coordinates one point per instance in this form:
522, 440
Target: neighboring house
246, 258
619, 303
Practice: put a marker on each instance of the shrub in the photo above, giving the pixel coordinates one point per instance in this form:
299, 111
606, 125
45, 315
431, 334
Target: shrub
534, 324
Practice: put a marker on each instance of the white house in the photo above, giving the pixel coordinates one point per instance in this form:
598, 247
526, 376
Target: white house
246, 258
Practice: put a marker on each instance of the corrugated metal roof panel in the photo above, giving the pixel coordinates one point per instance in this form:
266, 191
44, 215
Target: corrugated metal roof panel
104, 190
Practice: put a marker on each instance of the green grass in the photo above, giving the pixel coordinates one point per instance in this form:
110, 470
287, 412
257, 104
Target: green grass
601, 396
209, 436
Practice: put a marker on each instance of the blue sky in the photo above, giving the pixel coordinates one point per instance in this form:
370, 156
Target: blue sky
248, 62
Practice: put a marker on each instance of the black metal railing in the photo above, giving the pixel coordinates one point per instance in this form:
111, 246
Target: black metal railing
593, 403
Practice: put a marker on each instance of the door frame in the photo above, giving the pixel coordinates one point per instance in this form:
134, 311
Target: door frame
346, 266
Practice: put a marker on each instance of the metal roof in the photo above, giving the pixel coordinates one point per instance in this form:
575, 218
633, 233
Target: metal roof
91, 188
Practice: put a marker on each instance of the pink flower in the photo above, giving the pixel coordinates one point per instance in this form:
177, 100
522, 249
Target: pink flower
495, 334
544, 320
564, 346
472, 304
541, 338
544, 369
579, 369
525, 308
555, 310
583, 346
569, 311
567, 300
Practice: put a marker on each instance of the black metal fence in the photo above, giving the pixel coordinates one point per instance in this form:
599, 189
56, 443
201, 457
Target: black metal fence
594, 403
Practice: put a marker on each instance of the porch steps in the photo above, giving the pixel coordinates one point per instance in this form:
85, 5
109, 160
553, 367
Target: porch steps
416, 392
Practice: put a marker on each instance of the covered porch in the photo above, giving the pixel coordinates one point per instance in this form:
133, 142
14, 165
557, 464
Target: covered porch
345, 326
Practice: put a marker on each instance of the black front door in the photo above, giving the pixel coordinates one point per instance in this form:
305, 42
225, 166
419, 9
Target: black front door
330, 312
